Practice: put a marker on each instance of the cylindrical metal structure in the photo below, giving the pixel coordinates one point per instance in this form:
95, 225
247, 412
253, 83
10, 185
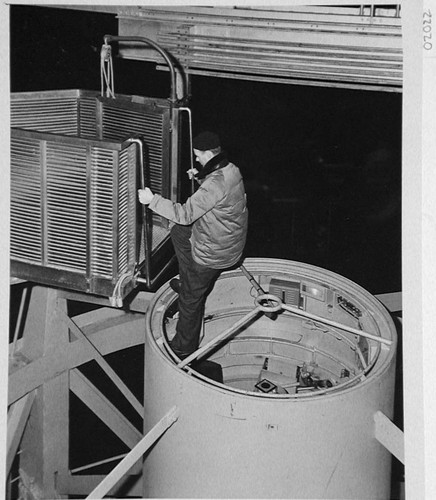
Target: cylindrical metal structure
294, 416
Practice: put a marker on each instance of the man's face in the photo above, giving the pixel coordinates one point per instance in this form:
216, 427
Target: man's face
201, 156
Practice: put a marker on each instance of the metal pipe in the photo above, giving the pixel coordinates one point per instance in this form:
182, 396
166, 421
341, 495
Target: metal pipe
336, 333
173, 93
188, 110
325, 321
252, 280
259, 289
207, 347
270, 300
145, 212
96, 464
162, 52
172, 99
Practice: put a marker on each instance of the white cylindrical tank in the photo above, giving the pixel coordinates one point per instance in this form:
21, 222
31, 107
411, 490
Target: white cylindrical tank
294, 416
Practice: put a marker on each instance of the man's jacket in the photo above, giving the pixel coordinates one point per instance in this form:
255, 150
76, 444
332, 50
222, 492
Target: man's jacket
218, 214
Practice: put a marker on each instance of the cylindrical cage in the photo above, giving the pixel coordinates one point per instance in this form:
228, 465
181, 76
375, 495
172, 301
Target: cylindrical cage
293, 416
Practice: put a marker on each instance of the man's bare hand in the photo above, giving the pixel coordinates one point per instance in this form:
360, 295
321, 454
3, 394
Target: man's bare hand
145, 196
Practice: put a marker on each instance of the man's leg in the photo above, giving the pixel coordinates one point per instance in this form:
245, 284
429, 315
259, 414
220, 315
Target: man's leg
182, 246
196, 283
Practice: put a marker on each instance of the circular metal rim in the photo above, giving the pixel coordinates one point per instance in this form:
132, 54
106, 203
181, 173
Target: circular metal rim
278, 266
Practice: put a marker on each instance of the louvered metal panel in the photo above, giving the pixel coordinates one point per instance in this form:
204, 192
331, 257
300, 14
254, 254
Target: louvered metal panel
118, 123
342, 46
102, 210
66, 207
126, 206
26, 209
87, 117
74, 189
47, 112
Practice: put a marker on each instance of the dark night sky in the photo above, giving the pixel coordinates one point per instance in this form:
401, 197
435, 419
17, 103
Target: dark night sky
322, 166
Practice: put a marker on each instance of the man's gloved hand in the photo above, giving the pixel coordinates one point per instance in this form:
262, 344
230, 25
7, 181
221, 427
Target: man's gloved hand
145, 196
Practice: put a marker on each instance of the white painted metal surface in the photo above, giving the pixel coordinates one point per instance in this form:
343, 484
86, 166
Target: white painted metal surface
232, 441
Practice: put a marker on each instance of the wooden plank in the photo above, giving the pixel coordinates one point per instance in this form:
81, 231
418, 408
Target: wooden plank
44, 447
17, 418
392, 301
139, 302
103, 319
50, 365
45, 443
103, 408
42, 302
55, 429
389, 435
146, 442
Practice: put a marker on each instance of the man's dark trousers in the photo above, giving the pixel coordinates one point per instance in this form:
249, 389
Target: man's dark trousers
196, 282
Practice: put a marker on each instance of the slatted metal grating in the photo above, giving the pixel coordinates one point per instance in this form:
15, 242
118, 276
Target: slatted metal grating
74, 180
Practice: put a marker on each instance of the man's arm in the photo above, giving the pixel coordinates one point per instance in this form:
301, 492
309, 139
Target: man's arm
203, 200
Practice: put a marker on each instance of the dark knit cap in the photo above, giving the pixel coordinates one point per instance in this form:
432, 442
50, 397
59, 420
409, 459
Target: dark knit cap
206, 141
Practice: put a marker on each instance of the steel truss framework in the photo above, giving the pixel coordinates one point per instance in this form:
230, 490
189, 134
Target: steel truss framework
44, 369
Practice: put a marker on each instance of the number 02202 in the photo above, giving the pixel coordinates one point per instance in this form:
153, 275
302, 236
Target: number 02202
427, 30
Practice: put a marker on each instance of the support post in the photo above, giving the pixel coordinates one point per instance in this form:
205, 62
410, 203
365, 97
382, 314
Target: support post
44, 447
17, 418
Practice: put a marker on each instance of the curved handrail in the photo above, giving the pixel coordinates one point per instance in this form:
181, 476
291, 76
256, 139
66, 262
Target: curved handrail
162, 52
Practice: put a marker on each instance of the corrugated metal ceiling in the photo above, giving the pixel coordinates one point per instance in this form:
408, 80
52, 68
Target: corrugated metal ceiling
331, 46
352, 46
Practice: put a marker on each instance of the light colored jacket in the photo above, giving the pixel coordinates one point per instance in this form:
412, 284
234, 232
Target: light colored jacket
218, 214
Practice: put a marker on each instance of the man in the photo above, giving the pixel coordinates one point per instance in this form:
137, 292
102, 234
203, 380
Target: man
208, 236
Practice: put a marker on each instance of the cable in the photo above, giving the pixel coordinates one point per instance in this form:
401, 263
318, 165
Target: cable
106, 71
116, 299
